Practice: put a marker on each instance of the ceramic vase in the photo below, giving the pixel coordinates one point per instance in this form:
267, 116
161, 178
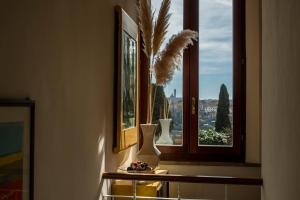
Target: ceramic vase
148, 152
165, 132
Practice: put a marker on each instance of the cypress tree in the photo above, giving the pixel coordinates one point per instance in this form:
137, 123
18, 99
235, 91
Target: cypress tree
159, 101
223, 121
158, 97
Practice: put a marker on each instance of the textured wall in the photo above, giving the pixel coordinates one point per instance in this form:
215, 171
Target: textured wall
60, 53
281, 97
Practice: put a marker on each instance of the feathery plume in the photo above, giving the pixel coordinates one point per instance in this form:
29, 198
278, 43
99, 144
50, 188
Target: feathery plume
146, 25
161, 25
169, 59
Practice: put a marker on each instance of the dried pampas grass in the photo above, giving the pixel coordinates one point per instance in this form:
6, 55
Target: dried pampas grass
161, 25
169, 59
161, 63
146, 25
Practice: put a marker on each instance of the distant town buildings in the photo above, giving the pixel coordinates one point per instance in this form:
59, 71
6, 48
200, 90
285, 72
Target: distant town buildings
175, 109
207, 110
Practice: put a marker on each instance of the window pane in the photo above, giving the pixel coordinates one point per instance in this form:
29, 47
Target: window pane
170, 133
216, 72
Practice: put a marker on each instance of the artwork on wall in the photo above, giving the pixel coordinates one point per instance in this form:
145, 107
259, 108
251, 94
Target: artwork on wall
128, 69
126, 90
16, 149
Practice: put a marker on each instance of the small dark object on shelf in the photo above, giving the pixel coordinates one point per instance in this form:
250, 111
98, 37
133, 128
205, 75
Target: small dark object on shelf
139, 166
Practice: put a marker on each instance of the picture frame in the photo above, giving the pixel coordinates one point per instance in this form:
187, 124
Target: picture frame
17, 149
126, 115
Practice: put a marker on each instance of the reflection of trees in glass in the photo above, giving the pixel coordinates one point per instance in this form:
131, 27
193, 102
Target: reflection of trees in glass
223, 121
175, 106
128, 80
160, 104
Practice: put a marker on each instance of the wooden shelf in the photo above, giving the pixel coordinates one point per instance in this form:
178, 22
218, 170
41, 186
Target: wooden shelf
184, 178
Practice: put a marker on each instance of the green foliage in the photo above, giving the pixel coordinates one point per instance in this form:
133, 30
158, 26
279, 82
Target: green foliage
211, 137
223, 121
158, 96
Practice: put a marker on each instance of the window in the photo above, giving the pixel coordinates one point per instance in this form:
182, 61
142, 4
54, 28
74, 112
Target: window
206, 98
173, 91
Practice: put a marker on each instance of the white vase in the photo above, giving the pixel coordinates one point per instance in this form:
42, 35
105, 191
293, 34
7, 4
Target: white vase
148, 152
165, 132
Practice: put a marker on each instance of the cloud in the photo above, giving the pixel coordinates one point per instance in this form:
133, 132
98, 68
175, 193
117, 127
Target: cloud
215, 55
176, 22
225, 2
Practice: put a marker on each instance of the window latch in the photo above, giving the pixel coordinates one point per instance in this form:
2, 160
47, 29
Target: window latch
193, 105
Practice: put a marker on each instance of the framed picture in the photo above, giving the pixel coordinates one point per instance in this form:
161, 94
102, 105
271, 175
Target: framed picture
127, 70
16, 149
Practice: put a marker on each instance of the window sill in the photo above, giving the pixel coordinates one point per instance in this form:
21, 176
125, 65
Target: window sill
229, 164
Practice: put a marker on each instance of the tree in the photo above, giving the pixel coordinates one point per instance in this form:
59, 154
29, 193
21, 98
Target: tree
223, 121
158, 97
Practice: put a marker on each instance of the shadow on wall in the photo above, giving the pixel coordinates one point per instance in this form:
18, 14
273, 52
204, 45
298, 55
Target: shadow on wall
122, 160
101, 160
107, 160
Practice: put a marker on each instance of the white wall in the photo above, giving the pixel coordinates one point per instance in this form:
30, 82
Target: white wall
216, 192
253, 81
114, 161
281, 97
60, 53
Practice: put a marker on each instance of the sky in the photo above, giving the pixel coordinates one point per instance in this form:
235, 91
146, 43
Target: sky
215, 40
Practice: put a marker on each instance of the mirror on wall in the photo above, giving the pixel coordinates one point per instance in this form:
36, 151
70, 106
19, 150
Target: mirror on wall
126, 76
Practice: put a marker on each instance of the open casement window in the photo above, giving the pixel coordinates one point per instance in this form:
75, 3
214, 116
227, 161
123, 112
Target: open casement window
206, 98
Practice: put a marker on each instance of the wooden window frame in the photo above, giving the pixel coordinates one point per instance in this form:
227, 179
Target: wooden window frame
190, 151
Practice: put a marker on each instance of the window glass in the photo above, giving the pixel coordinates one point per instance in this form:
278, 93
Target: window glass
215, 72
169, 98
